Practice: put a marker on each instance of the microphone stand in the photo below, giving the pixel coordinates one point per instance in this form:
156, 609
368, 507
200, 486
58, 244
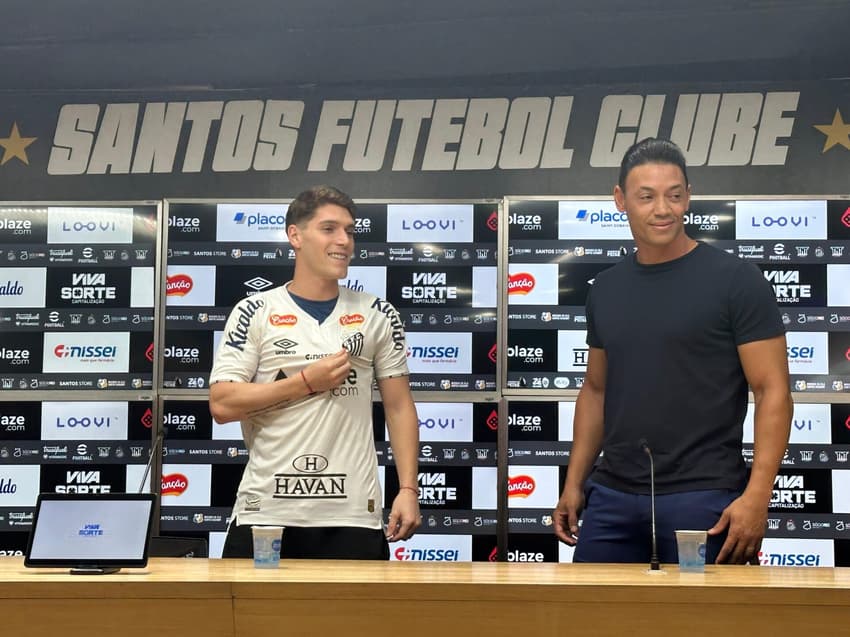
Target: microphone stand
160, 435
654, 563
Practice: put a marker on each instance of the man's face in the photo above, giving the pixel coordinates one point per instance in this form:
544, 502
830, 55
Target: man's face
656, 199
325, 243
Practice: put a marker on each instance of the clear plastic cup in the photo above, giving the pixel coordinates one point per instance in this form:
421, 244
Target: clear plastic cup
267, 546
691, 546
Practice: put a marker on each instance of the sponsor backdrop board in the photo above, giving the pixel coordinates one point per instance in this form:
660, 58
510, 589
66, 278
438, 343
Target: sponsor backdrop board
557, 247
77, 297
61, 446
436, 263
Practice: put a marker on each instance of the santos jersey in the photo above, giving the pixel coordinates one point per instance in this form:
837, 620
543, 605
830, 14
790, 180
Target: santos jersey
311, 462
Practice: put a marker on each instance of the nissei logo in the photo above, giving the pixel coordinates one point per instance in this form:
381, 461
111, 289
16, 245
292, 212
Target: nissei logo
174, 484
521, 283
404, 554
796, 352
178, 285
260, 221
521, 486
602, 217
85, 352
432, 352
789, 559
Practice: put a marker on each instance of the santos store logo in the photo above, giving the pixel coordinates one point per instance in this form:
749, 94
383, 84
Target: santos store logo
84, 421
780, 220
89, 225
591, 220
441, 223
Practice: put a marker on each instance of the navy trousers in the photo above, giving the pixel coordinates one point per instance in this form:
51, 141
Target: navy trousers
616, 526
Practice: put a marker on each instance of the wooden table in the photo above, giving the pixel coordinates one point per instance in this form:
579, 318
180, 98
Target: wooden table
229, 597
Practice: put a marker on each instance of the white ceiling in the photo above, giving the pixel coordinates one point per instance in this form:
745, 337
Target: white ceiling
152, 44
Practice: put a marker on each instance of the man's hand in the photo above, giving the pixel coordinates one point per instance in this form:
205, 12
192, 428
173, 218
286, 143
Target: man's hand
404, 516
566, 514
746, 521
328, 372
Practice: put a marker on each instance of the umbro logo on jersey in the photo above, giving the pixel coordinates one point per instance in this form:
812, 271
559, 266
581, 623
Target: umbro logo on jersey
286, 346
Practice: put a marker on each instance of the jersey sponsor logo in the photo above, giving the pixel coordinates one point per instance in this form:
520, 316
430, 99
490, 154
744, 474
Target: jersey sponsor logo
286, 347
310, 463
521, 283
174, 484
282, 320
351, 319
520, 486
238, 337
348, 386
395, 321
328, 486
178, 285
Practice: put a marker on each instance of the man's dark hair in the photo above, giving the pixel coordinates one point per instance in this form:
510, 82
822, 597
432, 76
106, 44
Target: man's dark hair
651, 151
304, 206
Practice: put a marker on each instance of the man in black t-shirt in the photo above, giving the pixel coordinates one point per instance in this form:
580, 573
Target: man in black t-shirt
677, 332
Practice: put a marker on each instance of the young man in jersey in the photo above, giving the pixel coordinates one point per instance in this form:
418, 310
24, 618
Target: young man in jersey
296, 366
676, 332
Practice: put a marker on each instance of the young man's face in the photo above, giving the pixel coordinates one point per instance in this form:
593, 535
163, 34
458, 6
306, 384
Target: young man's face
656, 199
325, 243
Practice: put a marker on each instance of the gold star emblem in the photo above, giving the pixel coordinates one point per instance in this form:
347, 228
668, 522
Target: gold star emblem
15, 146
837, 133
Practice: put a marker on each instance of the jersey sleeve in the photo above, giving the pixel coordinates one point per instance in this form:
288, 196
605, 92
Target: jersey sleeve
592, 337
238, 352
391, 344
752, 306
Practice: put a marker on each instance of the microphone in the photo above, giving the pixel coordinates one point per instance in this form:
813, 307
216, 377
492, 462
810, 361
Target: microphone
160, 434
654, 564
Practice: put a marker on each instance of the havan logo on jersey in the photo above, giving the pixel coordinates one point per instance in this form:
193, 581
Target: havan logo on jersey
309, 481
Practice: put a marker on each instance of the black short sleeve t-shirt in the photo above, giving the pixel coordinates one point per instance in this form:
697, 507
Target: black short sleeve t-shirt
670, 332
